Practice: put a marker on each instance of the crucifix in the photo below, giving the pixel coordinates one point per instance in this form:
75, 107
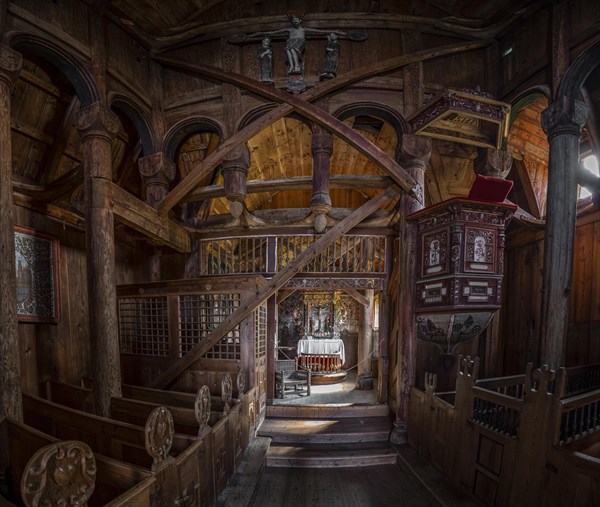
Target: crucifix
296, 39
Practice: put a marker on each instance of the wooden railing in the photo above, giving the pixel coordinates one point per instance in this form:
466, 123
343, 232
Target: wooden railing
580, 416
244, 255
507, 439
496, 411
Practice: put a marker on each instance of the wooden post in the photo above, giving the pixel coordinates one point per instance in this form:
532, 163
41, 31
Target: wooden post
364, 376
157, 172
320, 202
235, 172
271, 350
11, 404
562, 121
97, 126
413, 153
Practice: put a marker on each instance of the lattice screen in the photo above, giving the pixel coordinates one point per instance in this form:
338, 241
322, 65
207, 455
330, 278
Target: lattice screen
143, 324
349, 254
260, 330
199, 315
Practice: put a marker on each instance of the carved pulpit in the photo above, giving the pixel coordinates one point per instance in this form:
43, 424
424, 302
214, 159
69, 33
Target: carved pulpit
460, 261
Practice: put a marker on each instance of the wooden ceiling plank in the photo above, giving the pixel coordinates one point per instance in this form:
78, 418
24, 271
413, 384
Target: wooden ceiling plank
62, 136
31, 132
251, 302
319, 91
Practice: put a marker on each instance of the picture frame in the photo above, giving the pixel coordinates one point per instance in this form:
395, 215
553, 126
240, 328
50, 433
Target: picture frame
37, 287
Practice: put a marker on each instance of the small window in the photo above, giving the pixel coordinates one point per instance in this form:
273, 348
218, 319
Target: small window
590, 163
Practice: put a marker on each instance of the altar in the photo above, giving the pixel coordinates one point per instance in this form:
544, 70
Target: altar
321, 355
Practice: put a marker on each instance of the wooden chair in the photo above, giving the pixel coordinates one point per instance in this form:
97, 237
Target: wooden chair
287, 376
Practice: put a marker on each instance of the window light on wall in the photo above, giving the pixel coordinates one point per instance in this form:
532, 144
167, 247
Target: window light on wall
590, 163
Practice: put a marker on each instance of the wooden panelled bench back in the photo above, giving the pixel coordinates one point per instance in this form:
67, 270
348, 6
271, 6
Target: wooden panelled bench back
116, 483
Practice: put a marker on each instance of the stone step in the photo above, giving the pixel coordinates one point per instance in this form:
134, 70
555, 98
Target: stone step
330, 411
345, 430
330, 455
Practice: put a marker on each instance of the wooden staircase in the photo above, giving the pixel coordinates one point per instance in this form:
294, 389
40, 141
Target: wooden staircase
325, 436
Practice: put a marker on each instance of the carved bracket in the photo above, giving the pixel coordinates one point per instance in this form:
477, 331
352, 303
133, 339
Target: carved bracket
564, 116
96, 120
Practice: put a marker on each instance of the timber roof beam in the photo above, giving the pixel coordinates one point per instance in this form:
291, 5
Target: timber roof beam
301, 104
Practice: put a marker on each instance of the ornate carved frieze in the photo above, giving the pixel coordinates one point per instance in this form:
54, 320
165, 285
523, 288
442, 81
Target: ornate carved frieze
159, 433
566, 116
335, 283
63, 474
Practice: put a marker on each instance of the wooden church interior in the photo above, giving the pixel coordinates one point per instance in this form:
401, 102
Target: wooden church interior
218, 210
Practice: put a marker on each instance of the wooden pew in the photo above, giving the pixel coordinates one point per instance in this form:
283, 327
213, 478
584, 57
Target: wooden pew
177, 476
117, 483
172, 398
139, 401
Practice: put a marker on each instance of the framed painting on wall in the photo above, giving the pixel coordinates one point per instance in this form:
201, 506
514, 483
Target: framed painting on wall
36, 264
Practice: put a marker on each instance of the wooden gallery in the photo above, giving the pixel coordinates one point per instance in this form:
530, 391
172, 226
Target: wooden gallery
299, 253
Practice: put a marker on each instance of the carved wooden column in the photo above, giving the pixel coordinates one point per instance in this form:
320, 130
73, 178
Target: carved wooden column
11, 404
364, 374
562, 121
235, 172
157, 172
413, 154
97, 126
320, 202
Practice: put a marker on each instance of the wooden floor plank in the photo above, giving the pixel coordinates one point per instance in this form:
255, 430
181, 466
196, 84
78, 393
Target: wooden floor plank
379, 486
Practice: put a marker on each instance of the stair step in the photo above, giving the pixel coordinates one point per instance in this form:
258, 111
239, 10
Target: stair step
300, 431
328, 411
331, 456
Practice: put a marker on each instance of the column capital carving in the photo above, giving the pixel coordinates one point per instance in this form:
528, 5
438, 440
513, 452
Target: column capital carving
321, 141
156, 167
11, 63
96, 120
235, 171
157, 171
238, 156
565, 116
495, 163
413, 150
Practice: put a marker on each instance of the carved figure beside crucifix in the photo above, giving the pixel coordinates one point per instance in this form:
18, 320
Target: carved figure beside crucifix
296, 40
